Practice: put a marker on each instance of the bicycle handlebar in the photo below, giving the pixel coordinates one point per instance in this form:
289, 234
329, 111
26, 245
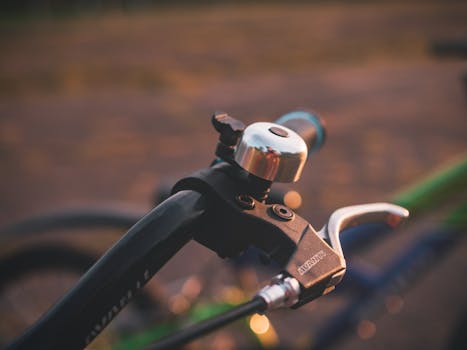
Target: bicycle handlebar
113, 281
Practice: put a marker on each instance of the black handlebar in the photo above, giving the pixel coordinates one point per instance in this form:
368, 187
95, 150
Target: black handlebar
116, 277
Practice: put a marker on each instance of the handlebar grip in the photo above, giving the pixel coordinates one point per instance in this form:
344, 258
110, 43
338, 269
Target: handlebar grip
309, 126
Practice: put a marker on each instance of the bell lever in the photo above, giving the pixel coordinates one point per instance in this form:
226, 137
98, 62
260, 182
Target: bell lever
230, 130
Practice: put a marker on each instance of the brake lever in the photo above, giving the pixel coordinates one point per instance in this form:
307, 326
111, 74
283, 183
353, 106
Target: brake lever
314, 270
356, 215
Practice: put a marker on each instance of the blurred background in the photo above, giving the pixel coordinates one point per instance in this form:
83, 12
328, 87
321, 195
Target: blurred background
102, 101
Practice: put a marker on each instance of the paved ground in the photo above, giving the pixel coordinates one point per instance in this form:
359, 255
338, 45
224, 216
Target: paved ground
102, 109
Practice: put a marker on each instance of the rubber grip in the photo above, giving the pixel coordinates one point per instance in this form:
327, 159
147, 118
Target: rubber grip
308, 125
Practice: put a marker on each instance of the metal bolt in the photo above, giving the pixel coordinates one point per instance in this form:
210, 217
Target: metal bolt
283, 212
245, 201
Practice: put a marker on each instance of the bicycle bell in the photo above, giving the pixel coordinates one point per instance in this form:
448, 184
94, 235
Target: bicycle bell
271, 152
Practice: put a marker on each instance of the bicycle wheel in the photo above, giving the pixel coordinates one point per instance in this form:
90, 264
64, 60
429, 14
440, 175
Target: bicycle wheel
35, 277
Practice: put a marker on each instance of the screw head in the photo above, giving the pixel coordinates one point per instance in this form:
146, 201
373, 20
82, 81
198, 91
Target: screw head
245, 201
282, 212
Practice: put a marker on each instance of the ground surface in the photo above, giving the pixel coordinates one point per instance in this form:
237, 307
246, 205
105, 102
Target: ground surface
102, 109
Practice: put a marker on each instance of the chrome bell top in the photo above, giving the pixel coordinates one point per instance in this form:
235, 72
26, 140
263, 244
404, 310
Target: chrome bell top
271, 152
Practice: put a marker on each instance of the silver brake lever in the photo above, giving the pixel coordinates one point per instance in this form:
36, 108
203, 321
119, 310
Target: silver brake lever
355, 215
